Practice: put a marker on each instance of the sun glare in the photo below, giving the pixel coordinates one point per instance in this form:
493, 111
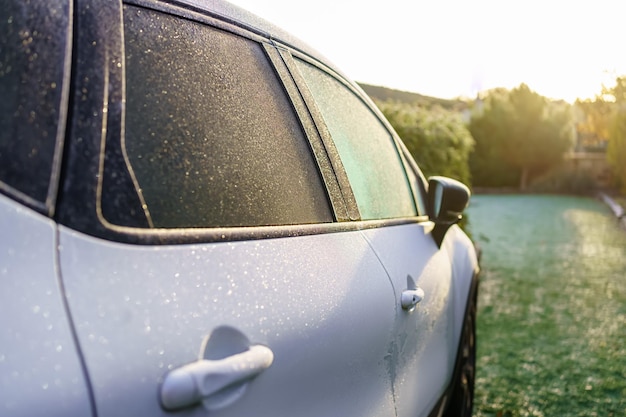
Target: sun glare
451, 48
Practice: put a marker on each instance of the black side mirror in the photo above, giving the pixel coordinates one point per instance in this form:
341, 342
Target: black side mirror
447, 198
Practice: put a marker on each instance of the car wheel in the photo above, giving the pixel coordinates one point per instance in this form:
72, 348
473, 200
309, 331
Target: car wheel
462, 396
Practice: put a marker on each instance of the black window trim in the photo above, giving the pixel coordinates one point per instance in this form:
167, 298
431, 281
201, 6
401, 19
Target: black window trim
77, 208
324, 134
80, 204
323, 161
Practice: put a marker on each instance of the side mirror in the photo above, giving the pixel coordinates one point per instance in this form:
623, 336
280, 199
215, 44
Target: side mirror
447, 198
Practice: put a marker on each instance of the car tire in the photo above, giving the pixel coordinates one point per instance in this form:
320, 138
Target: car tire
462, 395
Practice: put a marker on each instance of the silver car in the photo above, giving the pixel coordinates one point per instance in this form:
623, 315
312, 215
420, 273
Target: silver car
200, 216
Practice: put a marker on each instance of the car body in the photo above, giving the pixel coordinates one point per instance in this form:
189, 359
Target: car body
199, 215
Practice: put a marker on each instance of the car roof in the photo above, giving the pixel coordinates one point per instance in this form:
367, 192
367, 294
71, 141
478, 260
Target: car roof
248, 20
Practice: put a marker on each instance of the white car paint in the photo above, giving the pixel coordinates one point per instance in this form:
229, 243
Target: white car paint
323, 304
40, 371
425, 339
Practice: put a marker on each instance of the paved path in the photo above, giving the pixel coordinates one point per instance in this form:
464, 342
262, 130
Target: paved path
617, 210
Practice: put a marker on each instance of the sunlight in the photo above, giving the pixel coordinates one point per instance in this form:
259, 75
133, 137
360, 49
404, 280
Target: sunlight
453, 48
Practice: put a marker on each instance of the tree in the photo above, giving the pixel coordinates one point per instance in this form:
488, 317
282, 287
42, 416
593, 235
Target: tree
437, 138
616, 150
593, 120
522, 132
489, 125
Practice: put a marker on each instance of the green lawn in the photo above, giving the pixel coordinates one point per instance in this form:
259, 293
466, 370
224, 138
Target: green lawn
552, 307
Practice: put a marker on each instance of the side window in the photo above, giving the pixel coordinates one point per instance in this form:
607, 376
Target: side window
366, 148
211, 138
419, 188
33, 59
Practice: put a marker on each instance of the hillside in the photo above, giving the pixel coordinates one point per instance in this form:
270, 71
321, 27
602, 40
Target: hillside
384, 94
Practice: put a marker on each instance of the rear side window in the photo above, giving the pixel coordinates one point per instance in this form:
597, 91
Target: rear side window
211, 138
34, 39
365, 146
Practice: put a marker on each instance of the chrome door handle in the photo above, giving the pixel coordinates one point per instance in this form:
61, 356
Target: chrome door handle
195, 382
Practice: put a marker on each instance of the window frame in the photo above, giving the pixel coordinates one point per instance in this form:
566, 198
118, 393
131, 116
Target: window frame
97, 67
48, 204
280, 193
418, 191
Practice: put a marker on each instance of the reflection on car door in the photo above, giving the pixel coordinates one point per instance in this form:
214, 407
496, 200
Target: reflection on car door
321, 303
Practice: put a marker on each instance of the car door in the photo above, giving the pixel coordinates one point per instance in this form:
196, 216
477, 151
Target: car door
424, 346
321, 304
390, 203
206, 246
426, 334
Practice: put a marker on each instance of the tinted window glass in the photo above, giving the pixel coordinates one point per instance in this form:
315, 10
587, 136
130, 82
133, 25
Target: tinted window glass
365, 146
210, 135
33, 40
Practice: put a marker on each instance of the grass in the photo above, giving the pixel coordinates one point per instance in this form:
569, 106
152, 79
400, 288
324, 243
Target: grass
552, 307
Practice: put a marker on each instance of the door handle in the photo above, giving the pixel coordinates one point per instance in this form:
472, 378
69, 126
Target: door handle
412, 295
410, 298
197, 381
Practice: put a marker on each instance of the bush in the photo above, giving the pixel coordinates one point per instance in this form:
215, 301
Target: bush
437, 138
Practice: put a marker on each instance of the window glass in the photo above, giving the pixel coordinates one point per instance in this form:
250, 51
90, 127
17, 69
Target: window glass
365, 146
33, 39
418, 186
211, 138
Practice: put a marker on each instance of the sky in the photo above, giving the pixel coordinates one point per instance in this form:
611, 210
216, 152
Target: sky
459, 48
